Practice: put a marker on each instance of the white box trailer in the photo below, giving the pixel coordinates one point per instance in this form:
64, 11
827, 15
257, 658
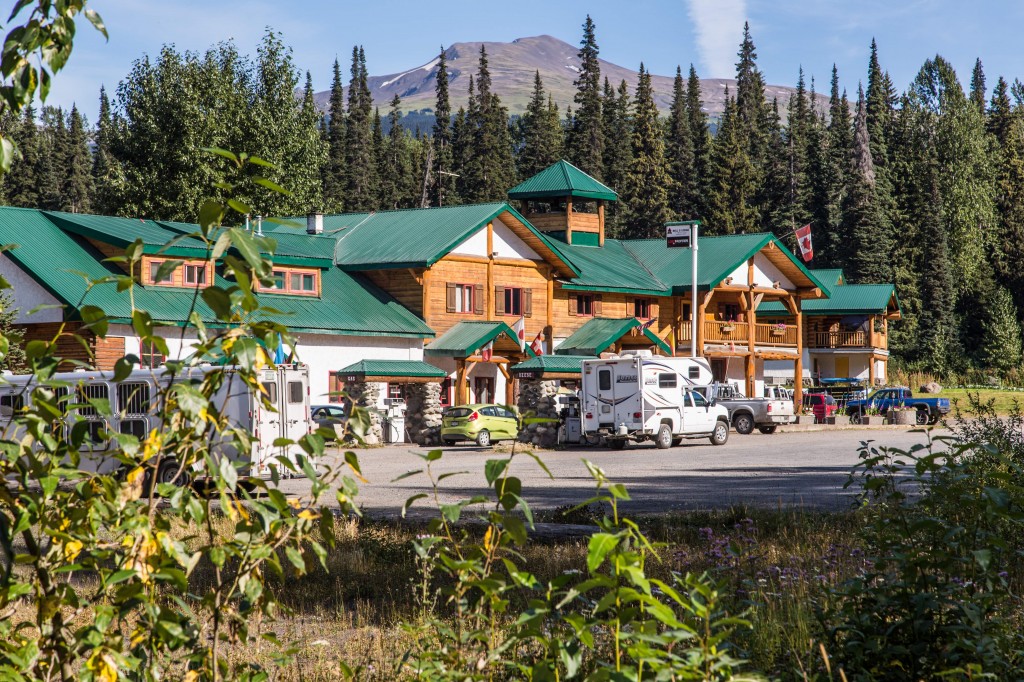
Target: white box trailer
638, 397
135, 411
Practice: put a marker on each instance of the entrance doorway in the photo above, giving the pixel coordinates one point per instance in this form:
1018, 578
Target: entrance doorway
842, 367
483, 389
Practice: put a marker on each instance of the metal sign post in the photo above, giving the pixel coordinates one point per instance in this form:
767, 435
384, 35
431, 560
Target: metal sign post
683, 235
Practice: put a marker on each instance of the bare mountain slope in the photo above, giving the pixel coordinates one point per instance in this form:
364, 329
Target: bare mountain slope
512, 67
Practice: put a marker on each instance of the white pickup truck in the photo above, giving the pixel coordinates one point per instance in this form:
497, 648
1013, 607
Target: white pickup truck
746, 414
640, 398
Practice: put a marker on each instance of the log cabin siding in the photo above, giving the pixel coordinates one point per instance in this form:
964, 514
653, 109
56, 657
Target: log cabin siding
99, 354
406, 286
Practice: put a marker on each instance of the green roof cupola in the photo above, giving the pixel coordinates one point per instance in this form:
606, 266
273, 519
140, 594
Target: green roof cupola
566, 203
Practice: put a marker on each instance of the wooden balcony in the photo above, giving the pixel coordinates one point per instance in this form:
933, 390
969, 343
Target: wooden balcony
739, 332
857, 339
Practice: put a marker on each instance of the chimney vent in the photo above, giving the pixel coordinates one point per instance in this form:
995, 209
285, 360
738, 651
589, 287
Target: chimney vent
315, 223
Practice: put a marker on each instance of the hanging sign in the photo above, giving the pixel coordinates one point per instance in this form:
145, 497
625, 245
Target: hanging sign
679, 236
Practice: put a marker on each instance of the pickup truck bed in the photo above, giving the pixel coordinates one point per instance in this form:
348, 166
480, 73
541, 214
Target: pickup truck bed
746, 414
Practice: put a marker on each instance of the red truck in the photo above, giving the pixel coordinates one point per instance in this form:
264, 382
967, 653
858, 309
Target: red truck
821, 405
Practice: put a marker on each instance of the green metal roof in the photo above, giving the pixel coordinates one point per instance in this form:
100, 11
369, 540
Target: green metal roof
609, 268
598, 334
349, 305
849, 299
830, 276
562, 179
394, 368
555, 364
121, 232
466, 338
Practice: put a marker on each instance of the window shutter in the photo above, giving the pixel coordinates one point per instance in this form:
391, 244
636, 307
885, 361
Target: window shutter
450, 298
654, 309
499, 300
597, 305
478, 299
572, 305
528, 302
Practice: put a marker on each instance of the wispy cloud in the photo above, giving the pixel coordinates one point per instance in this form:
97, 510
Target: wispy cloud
718, 25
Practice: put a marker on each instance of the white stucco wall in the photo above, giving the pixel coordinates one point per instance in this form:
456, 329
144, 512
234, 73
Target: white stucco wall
506, 244
765, 274
28, 294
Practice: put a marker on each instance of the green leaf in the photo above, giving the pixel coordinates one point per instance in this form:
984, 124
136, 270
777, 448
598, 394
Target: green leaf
409, 502
95, 319
166, 269
97, 22
597, 549
122, 368
246, 245
210, 214
272, 186
493, 468
296, 558
228, 473
219, 301
230, 156
983, 557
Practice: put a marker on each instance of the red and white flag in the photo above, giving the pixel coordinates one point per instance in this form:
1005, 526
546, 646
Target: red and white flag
538, 344
803, 239
520, 329
487, 351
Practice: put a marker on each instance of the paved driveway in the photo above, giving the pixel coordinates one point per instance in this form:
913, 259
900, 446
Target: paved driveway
804, 469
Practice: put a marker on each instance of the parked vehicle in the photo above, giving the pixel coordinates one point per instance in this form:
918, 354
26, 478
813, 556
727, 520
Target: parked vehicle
135, 410
821, 405
929, 410
638, 397
330, 416
746, 414
484, 424
778, 393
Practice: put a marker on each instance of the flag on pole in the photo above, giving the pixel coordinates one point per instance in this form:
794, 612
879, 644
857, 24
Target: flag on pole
487, 351
520, 329
803, 239
639, 329
538, 346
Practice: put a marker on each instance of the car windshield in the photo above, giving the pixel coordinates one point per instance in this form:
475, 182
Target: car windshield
459, 412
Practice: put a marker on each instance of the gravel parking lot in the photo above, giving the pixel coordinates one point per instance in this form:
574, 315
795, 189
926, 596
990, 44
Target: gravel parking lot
803, 469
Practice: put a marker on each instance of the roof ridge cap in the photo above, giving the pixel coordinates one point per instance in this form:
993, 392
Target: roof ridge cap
641, 263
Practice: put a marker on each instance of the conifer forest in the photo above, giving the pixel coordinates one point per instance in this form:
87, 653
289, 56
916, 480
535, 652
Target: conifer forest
922, 186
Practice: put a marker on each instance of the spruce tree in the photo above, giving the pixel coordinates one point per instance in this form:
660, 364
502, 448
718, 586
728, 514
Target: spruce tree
107, 182
76, 189
879, 109
396, 174
14, 360
442, 182
935, 326
831, 163
618, 152
489, 170
730, 187
334, 174
461, 149
23, 182
700, 135
586, 137
645, 193
679, 154
977, 95
1001, 334
1000, 114
53, 159
541, 143
360, 160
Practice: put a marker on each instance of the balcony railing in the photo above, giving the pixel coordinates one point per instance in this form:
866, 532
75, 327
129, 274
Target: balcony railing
858, 339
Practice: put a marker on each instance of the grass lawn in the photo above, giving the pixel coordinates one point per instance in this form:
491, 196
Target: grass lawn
1003, 399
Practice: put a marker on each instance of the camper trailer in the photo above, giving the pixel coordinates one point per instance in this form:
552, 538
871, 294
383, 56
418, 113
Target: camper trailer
639, 397
135, 411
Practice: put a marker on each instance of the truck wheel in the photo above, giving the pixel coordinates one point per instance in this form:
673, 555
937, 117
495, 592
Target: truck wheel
676, 442
744, 424
855, 417
768, 430
483, 439
664, 439
617, 443
721, 433
922, 417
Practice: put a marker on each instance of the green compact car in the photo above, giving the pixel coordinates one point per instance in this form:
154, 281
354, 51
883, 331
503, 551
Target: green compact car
484, 424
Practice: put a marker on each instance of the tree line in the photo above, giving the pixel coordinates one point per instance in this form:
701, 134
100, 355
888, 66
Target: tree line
924, 188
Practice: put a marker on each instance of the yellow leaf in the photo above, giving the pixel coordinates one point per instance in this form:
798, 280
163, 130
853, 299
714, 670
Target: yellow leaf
154, 442
135, 474
103, 665
488, 537
72, 548
308, 515
294, 502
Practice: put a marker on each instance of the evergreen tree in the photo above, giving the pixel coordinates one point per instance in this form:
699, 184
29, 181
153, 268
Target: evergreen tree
53, 159
679, 153
752, 112
1001, 334
489, 170
1008, 242
586, 137
14, 360
442, 182
730, 187
360, 160
879, 108
618, 152
977, 95
541, 133
645, 193
935, 328
23, 182
396, 175
107, 181
334, 173
1000, 114
700, 135
831, 162
76, 188
461, 148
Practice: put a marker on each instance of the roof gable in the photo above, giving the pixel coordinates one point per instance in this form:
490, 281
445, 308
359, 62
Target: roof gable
598, 334
562, 179
466, 338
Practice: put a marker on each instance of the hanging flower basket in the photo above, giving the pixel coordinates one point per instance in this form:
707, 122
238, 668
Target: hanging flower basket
778, 332
726, 328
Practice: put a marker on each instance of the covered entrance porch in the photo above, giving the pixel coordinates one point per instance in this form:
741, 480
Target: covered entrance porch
483, 352
601, 335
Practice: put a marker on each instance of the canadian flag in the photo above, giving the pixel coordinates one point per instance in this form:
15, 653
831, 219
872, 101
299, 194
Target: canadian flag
520, 329
487, 351
803, 239
538, 344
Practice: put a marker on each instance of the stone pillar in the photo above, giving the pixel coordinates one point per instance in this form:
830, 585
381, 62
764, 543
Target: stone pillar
367, 396
539, 397
423, 413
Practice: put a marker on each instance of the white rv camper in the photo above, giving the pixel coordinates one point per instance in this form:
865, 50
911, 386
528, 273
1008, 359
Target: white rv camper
640, 397
135, 412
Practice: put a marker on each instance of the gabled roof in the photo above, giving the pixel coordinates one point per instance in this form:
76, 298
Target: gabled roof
849, 299
121, 232
350, 304
416, 369
562, 179
552, 364
416, 237
830, 276
611, 268
466, 338
598, 334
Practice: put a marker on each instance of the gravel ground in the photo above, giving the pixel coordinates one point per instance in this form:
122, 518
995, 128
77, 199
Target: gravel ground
802, 469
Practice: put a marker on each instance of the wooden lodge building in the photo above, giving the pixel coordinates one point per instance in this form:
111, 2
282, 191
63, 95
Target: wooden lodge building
432, 296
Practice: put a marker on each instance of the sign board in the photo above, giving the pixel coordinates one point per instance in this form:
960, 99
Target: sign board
679, 236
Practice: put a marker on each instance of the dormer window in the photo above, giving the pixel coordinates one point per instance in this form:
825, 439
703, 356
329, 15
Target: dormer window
154, 273
304, 282
186, 273
195, 275
295, 281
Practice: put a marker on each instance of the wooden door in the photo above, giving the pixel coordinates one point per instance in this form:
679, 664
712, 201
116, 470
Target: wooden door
842, 367
483, 389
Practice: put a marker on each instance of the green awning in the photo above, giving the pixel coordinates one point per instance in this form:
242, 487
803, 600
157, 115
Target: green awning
536, 368
599, 334
467, 338
391, 369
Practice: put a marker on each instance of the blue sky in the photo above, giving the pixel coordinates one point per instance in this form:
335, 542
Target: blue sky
399, 34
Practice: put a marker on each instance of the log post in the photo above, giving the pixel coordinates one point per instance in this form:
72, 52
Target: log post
510, 393
489, 293
798, 366
460, 381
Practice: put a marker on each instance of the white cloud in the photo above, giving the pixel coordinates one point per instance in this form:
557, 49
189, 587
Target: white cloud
718, 25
